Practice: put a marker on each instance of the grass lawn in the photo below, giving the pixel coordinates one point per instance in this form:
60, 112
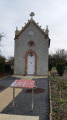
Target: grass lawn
53, 68
59, 97
66, 68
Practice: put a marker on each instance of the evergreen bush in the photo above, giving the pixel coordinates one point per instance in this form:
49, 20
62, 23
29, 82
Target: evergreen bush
7, 68
2, 66
50, 66
60, 68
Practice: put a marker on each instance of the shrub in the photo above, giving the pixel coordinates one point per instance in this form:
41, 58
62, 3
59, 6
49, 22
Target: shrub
50, 66
66, 68
2, 66
53, 73
60, 68
7, 68
56, 110
64, 86
62, 101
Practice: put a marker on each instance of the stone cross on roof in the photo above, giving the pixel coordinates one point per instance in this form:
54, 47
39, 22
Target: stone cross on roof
32, 14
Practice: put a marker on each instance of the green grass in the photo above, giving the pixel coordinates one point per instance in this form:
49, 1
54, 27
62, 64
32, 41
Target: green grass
59, 99
62, 101
54, 79
64, 86
66, 68
53, 68
56, 110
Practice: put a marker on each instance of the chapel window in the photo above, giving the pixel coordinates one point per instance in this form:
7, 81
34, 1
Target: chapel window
31, 54
31, 43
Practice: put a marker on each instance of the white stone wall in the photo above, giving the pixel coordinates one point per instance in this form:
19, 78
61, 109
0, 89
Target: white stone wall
40, 48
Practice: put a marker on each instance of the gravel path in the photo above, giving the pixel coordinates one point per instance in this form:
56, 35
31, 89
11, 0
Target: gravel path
23, 101
7, 81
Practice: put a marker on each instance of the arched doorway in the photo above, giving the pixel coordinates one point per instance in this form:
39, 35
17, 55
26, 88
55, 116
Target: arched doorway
30, 62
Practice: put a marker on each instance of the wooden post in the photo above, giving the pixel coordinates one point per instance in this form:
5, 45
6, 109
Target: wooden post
32, 98
13, 96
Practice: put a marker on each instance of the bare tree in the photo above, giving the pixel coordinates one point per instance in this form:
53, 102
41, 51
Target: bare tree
60, 56
11, 60
1, 35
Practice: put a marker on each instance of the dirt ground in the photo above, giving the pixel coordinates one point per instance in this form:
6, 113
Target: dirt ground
59, 96
4, 74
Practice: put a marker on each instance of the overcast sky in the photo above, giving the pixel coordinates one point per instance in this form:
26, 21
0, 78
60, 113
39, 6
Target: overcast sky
47, 12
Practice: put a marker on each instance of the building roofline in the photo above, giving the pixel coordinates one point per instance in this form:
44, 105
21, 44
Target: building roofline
27, 24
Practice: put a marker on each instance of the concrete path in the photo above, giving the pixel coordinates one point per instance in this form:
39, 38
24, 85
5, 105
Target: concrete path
6, 97
29, 77
17, 117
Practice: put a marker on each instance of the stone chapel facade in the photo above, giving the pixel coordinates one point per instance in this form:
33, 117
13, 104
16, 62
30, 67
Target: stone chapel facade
31, 49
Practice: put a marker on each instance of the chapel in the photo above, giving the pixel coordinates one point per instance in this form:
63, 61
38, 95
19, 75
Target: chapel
31, 49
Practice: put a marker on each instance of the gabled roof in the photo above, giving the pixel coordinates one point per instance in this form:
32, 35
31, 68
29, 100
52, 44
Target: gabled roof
18, 33
30, 21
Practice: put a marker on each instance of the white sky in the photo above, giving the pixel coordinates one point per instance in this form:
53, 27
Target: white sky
47, 12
